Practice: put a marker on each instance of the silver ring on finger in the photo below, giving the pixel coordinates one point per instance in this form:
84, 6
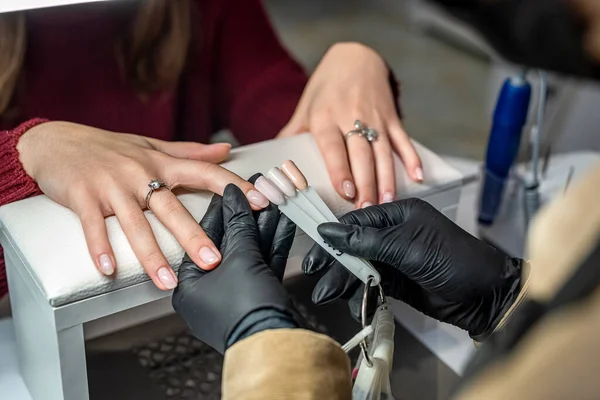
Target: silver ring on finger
361, 130
155, 185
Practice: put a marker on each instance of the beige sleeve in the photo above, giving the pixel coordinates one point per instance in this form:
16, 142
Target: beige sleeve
289, 364
560, 357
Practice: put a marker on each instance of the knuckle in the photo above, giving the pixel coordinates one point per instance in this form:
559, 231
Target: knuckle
170, 205
152, 260
320, 117
137, 225
79, 195
131, 167
196, 239
206, 169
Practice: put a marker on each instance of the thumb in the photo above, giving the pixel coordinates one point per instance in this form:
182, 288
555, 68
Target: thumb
361, 241
214, 153
241, 230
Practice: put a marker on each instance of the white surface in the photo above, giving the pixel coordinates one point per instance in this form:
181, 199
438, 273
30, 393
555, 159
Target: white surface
49, 239
11, 383
509, 231
18, 5
451, 345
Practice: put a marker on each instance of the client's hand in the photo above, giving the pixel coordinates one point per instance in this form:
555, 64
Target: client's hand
425, 260
98, 173
244, 294
352, 82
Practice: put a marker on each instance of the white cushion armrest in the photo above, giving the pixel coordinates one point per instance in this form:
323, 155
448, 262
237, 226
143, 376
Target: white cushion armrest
49, 239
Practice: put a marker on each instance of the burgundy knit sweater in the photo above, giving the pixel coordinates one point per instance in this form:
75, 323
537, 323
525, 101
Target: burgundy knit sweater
238, 76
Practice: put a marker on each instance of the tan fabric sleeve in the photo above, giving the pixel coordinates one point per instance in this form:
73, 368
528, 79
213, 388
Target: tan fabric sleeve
560, 357
289, 364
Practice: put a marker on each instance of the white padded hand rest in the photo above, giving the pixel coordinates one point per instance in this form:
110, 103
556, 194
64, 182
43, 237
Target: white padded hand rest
50, 240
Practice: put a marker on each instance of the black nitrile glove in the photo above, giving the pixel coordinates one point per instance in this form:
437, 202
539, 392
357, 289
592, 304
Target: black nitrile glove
424, 260
243, 294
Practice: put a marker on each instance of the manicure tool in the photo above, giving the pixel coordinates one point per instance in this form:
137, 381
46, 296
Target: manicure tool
302, 204
510, 116
288, 189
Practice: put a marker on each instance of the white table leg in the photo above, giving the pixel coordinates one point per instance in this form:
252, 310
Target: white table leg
52, 362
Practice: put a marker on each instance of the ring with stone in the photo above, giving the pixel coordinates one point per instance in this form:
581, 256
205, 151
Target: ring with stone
154, 185
368, 133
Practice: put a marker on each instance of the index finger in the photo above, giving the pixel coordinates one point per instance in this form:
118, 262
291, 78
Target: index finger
201, 175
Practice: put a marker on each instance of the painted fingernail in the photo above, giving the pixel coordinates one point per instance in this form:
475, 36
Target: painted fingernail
295, 175
387, 197
366, 204
167, 278
257, 198
281, 180
269, 190
106, 264
349, 189
419, 173
208, 256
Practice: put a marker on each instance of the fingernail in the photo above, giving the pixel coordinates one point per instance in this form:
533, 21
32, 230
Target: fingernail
208, 256
419, 173
166, 277
257, 198
366, 204
221, 144
269, 190
387, 197
349, 189
106, 264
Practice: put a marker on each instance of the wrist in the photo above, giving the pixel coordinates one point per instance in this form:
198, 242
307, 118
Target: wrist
503, 300
259, 321
27, 141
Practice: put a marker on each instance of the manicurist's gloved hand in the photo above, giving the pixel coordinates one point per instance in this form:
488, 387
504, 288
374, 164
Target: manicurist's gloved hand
425, 260
244, 294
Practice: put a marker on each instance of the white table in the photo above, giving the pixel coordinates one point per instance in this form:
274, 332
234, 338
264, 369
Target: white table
59, 299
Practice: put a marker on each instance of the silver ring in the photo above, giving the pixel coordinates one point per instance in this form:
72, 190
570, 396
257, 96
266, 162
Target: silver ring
363, 318
154, 185
368, 133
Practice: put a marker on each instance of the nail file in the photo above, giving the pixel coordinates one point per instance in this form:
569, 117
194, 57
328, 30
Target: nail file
277, 189
305, 195
280, 180
299, 180
291, 170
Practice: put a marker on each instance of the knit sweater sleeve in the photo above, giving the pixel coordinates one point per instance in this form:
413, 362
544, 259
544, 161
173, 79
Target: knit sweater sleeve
15, 184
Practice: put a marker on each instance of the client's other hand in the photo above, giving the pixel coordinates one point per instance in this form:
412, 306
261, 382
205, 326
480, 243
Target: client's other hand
352, 82
244, 294
425, 260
